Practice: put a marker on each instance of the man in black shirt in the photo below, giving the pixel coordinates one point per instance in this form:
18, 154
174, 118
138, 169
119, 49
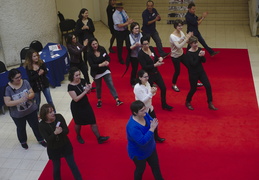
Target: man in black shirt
192, 22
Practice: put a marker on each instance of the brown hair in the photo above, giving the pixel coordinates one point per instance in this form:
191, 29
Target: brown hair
28, 59
44, 110
193, 39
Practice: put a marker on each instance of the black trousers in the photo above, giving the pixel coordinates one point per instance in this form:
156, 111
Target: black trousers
134, 65
71, 163
141, 166
177, 62
120, 37
193, 78
157, 78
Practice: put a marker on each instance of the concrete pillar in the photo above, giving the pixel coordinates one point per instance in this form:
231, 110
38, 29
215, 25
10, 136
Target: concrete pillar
21, 22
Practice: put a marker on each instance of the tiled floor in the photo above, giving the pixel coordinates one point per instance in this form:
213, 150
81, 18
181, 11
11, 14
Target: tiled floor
19, 164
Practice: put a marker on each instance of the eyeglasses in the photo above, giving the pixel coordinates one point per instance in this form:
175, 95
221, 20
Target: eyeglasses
146, 77
145, 44
136, 28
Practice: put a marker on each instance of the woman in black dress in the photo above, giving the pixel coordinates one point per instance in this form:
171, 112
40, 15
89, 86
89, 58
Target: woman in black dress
84, 26
194, 59
81, 109
84, 29
54, 129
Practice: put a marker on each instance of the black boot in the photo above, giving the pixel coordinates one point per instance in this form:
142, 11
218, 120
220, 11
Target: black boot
102, 139
212, 107
188, 105
157, 138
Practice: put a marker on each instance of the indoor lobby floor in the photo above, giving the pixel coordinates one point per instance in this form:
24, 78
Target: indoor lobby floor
19, 164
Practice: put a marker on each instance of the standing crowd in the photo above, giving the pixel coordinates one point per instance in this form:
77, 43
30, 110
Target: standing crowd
23, 97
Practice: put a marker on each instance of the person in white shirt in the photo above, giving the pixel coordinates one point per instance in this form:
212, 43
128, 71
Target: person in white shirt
121, 21
178, 40
144, 92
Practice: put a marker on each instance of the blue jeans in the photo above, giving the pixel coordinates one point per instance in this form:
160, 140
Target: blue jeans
47, 95
71, 163
20, 123
108, 80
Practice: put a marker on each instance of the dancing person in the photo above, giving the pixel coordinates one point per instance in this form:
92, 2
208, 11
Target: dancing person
195, 56
121, 22
99, 61
150, 16
133, 45
54, 129
36, 71
75, 50
81, 109
193, 22
18, 98
149, 62
177, 41
144, 92
110, 10
141, 143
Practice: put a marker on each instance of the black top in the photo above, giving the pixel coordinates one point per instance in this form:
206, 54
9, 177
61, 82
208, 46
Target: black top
57, 145
95, 61
75, 52
147, 16
194, 61
147, 63
38, 82
86, 33
192, 23
110, 10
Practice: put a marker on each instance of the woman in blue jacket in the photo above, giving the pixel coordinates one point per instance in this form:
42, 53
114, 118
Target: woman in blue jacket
141, 143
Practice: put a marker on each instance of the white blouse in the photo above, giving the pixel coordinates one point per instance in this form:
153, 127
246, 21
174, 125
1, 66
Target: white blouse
143, 93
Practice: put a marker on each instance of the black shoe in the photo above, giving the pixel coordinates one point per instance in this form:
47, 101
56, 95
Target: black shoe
102, 139
43, 143
111, 50
121, 62
214, 53
159, 139
212, 107
189, 106
99, 104
118, 103
166, 107
25, 145
80, 140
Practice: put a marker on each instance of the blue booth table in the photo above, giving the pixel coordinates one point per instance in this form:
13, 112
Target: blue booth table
3, 82
57, 64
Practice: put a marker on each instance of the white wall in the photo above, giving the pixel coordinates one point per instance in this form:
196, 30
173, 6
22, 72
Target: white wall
24, 21
70, 9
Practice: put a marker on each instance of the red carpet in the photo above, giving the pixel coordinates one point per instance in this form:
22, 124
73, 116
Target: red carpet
200, 144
